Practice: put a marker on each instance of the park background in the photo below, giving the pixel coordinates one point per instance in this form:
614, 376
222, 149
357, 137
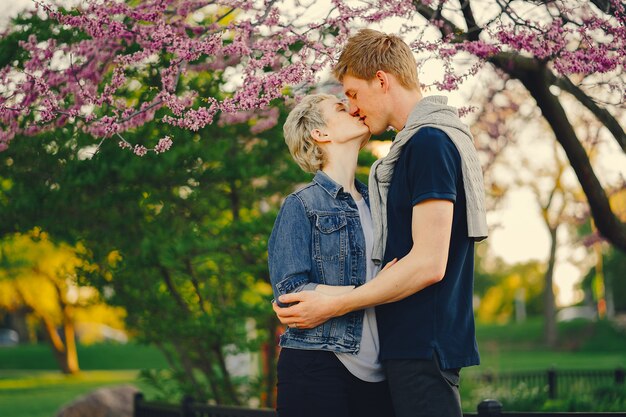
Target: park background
156, 264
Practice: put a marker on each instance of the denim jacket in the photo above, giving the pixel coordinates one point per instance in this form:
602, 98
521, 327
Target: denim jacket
317, 238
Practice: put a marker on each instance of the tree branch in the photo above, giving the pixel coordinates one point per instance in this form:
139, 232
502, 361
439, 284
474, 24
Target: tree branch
172, 288
447, 28
606, 6
216, 348
196, 284
473, 31
602, 114
537, 83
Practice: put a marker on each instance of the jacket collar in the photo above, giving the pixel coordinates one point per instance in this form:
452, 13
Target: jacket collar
332, 188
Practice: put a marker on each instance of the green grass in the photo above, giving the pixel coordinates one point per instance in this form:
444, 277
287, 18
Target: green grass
519, 347
582, 345
93, 357
42, 393
31, 386
536, 359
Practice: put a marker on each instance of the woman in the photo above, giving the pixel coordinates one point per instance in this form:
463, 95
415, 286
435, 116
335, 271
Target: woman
322, 241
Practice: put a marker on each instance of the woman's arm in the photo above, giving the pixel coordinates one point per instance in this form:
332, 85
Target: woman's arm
289, 248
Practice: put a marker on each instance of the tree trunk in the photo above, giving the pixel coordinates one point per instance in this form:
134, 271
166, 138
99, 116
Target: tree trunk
188, 369
71, 354
229, 388
17, 321
535, 78
269, 353
58, 348
549, 308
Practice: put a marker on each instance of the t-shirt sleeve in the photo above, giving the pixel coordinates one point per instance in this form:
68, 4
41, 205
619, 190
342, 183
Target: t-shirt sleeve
434, 166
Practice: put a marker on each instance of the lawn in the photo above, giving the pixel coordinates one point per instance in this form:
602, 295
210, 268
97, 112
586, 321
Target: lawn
30, 386
42, 393
93, 357
581, 345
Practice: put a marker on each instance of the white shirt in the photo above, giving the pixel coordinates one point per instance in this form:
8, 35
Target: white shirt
365, 365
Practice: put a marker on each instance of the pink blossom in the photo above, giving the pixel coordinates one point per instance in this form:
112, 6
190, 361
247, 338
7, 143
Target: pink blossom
263, 54
140, 150
164, 144
124, 145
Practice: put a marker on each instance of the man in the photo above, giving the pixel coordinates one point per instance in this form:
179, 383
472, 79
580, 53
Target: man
427, 202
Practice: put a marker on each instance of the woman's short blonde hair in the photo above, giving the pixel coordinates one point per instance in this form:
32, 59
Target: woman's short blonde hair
305, 117
370, 51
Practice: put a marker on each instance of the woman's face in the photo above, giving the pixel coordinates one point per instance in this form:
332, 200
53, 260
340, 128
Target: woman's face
340, 126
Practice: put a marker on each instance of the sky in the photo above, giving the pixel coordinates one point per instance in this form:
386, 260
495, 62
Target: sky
517, 232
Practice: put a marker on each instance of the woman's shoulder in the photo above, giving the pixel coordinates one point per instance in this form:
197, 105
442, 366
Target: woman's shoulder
312, 196
304, 195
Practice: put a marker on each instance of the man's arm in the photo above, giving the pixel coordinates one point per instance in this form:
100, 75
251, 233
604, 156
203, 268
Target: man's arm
424, 265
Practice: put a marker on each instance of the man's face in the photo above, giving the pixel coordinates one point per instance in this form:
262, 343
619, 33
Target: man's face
366, 99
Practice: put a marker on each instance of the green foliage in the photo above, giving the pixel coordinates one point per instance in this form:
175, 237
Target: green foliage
531, 398
518, 347
519, 398
23, 26
163, 383
523, 398
613, 267
602, 399
498, 284
179, 238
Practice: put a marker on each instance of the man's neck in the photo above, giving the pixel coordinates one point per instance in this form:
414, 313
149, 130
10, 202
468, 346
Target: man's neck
403, 104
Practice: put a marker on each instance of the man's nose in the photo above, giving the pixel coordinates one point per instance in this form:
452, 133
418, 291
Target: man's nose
353, 109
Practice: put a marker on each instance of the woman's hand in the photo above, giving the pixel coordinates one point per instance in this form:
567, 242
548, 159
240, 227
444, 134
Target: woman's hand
309, 309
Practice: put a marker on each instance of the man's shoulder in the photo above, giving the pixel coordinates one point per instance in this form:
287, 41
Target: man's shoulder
429, 142
429, 135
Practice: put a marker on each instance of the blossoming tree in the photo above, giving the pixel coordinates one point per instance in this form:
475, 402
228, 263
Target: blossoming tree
79, 73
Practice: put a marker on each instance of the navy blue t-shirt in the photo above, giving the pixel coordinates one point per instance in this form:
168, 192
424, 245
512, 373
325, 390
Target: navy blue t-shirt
439, 318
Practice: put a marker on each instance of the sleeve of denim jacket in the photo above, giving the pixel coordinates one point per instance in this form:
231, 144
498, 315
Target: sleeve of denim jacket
289, 250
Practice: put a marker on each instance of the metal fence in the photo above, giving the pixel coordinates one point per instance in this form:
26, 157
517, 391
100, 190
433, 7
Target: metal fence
188, 408
556, 382
492, 408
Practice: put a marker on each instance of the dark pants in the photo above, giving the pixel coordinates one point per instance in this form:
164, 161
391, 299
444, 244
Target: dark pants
419, 388
314, 383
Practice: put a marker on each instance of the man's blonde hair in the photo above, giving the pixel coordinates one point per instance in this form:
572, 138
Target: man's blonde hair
305, 117
370, 51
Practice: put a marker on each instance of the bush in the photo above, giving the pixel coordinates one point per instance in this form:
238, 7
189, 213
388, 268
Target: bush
522, 397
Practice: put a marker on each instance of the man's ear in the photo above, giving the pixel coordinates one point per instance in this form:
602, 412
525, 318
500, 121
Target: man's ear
382, 80
319, 136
